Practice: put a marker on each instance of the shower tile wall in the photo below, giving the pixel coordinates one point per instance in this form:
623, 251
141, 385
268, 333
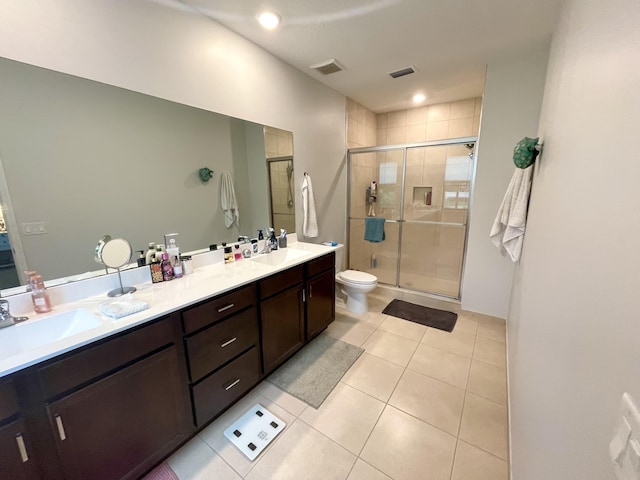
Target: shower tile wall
279, 143
361, 125
431, 258
435, 122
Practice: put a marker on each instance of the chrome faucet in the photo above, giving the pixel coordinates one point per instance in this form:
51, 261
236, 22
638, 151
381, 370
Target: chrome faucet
6, 319
267, 241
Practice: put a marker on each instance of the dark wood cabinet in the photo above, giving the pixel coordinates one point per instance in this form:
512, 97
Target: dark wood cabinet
17, 459
320, 303
282, 321
219, 390
122, 425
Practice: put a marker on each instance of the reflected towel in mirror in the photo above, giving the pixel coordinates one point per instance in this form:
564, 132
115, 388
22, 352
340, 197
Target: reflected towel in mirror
228, 201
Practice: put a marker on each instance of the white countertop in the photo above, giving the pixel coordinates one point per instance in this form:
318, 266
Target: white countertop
163, 298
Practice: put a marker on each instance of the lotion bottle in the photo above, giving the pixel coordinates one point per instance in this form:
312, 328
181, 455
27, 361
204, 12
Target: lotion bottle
39, 294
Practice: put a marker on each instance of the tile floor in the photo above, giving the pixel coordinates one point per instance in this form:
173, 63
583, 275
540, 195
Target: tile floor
419, 403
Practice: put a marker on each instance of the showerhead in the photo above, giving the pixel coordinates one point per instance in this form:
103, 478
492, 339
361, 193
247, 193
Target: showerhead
471, 147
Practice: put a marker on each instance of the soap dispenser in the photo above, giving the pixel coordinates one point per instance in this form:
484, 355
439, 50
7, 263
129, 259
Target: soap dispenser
272, 239
39, 294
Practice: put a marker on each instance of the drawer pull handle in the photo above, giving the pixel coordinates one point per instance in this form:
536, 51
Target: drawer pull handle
232, 384
310, 291
22, 448
231, 305
229, 342
63, 435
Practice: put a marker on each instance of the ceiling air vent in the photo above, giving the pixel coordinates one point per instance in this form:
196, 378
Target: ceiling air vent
403, 71
328, 66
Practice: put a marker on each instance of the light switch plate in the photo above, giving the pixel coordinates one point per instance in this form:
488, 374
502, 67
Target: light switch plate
34, 228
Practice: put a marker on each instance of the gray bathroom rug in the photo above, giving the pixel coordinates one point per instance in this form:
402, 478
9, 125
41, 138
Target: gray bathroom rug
313, 372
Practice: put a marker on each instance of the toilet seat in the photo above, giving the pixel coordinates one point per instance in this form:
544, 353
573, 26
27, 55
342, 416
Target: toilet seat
356, 277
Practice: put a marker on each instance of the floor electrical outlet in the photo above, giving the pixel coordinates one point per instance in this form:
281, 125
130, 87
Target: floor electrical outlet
254, 430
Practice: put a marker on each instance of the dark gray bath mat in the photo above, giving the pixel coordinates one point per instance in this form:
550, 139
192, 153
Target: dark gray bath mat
313, 372
424, 315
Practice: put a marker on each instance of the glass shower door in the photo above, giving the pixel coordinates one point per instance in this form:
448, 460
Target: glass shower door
436, 200
386, 168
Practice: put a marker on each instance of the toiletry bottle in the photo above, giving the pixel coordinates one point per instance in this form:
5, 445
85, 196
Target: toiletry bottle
187, 266
177, 267
39, 294
254, 245
156, 271
237, 253
167, 269
260, 235
159, 251
142, 260
273, 240
228, 255
151, 253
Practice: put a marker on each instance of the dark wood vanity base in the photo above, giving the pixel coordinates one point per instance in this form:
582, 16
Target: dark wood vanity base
117, 407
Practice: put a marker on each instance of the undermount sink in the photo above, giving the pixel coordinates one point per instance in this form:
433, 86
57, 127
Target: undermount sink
279, 256
36, 332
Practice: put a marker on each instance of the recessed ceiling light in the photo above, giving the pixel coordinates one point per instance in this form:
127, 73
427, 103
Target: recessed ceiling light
419, 98
269, 20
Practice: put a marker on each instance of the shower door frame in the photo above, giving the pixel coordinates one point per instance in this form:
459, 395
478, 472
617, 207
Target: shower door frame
404, 147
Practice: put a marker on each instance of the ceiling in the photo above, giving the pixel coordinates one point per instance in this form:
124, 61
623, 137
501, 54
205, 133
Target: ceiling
449, 42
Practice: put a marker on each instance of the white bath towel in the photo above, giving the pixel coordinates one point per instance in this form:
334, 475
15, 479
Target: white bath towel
508, 228
309, 221
228, 201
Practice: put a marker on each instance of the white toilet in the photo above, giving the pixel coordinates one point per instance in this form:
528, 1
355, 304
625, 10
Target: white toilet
355, 285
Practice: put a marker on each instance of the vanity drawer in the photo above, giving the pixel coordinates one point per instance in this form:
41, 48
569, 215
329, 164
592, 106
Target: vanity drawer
321, 264
8, 400
280, 281
218, 344
74, 370
218, 308
215, 393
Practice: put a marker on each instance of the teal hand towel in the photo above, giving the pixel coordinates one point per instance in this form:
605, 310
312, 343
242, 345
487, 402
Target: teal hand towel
374, 229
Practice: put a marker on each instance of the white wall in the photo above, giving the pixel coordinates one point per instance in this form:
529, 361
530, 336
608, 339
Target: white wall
510, 111
574, 327
170, 53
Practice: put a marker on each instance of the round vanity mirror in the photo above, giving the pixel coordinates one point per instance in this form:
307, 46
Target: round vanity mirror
115, 253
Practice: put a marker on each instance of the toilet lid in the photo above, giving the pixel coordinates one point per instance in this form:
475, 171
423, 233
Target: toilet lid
358, 277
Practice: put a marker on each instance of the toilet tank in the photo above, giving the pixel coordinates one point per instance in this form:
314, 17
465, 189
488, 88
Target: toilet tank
340, 258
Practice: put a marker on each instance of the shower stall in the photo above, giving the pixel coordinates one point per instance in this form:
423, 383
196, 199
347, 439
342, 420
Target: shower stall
423, 192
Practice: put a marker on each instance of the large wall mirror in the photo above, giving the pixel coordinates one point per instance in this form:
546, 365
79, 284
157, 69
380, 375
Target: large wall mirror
82, 159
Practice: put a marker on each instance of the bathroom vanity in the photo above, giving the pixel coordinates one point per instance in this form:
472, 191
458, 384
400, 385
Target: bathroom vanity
117, 405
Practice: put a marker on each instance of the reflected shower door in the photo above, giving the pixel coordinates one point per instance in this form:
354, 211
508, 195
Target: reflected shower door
386, 168
281, 193
436, 201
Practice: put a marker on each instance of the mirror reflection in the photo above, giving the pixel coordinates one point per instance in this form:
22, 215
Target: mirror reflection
81, 158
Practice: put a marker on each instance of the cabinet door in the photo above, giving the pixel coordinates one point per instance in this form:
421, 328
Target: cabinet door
282, 320
122, 425
321, 296
16, 462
